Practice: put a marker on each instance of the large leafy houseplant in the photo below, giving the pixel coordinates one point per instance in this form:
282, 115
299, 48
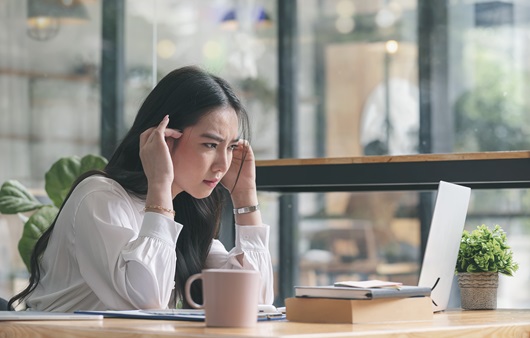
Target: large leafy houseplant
485, 250
15, 198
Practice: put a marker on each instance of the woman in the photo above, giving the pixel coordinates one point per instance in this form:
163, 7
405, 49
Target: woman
127, 236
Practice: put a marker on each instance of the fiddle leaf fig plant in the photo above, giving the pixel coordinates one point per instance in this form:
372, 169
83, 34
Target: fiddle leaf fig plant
15, 198
485, 250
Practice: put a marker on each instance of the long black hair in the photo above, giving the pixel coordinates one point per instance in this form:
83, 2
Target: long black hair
186, 95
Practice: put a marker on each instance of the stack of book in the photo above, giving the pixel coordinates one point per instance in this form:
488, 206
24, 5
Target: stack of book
352, 302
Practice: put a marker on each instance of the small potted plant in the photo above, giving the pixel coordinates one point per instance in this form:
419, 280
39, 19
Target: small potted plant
482, 255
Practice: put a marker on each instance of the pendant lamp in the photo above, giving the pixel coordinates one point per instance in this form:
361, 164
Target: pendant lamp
45, 17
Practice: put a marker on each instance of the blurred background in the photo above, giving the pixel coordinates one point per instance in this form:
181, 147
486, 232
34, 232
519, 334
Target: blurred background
360, 78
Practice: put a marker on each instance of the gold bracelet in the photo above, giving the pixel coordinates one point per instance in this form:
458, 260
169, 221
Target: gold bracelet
157, 207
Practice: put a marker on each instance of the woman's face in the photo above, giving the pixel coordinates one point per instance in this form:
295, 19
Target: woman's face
202, 155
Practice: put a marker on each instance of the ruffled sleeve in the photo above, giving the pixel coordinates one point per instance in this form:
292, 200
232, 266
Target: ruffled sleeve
251, 252
127, 265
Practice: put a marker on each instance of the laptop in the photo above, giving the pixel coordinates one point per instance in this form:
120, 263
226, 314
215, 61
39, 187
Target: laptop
447, 225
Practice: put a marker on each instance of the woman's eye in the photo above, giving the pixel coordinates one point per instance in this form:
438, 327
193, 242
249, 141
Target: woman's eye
233, 147
211, 145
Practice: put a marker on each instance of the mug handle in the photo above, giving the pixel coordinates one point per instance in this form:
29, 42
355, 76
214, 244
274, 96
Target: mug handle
187, 291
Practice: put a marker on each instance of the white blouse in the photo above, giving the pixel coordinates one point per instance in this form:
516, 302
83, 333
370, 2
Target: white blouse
106, 253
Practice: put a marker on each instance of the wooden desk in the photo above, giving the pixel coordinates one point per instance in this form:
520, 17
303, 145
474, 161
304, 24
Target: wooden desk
498, 323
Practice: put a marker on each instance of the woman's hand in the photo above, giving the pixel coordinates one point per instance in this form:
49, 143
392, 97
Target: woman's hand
155, 146
240, 180
243, 188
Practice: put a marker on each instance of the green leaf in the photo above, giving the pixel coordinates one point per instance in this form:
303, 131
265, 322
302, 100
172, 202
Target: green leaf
15, 198
33, 230
65, 171
485, 250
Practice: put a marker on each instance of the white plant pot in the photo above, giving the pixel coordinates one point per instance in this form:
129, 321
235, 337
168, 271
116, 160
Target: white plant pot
478, 290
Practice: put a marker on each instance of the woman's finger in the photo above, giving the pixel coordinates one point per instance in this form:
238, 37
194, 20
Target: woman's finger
174, 133
163, 124
243, 149
160, 129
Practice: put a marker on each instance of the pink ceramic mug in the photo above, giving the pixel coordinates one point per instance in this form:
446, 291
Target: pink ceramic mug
230, 297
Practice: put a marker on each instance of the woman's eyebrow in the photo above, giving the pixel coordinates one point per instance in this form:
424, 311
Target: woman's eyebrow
217, 137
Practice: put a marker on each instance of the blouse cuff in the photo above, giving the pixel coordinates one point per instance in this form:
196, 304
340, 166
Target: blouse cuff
158, 226
252, 238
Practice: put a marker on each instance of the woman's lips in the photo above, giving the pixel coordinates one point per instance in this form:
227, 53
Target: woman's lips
211, 183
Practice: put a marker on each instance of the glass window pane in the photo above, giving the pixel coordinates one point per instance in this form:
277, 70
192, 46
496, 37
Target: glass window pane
359, 236
488, 75
49, 93
358, 78
376, 235
49, 103
235, 40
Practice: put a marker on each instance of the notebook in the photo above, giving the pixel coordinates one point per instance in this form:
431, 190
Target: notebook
347, 292
174, 314
447, 225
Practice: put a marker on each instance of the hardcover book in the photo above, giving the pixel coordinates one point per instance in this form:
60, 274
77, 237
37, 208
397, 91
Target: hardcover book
328, 310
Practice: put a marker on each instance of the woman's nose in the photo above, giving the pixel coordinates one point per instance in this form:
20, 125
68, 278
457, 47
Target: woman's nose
222, 161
